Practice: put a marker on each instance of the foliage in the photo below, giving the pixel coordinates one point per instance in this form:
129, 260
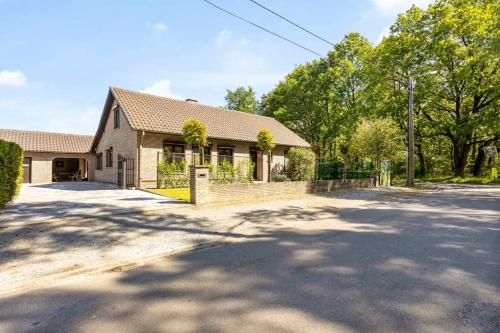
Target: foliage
300, 164
265, 142
195, 133
378, 139
242, 99
323, 100
172, 174
278, 173
451, 49
182, 193
335, 170
11, 170
462, 180
226, 173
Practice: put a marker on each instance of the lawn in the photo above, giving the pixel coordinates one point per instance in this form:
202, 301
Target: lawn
176, 193
462, 180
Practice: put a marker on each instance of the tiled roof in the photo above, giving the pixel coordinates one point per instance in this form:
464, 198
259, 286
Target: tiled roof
48, 141
152, 113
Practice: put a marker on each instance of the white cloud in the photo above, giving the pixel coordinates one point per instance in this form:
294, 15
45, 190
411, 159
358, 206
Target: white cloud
243, 42
223, 36
12, 78
391, 7
157, 27
161, 88
160, 27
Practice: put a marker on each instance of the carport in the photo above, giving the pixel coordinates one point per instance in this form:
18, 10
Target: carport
69, 169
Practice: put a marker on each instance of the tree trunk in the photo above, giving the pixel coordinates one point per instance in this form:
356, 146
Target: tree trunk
421, 161
460, 155
479, 162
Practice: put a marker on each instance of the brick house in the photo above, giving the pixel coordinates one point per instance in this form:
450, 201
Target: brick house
139, 128
53, 156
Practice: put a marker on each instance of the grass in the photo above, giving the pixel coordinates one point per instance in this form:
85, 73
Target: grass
462, 180
176, 193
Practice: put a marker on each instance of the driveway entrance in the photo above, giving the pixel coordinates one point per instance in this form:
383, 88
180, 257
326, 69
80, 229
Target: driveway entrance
42, 202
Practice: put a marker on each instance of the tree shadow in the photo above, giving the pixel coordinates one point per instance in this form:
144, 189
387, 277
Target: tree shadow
382, 269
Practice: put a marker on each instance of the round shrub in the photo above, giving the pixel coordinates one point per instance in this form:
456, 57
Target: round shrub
300, 164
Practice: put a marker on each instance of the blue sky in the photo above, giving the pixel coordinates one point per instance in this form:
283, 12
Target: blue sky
58, 58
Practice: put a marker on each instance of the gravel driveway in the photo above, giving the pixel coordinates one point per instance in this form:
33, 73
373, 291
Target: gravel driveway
73, 200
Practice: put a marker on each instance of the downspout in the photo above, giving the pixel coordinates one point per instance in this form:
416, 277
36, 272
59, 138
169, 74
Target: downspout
139, 155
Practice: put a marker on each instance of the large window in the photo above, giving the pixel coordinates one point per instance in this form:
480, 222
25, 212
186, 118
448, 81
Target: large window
206, 154
98, 162
174, 151
116, 116
225, 154
109, 157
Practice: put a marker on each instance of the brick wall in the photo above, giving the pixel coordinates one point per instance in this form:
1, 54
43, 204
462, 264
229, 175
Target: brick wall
237, 192
124, 142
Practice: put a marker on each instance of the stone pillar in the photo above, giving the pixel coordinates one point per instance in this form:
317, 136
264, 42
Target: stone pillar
198, 184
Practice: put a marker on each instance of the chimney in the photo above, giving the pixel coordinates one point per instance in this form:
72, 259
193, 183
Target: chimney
190, 100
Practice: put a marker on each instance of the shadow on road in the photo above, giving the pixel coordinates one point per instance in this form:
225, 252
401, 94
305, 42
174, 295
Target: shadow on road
396, 269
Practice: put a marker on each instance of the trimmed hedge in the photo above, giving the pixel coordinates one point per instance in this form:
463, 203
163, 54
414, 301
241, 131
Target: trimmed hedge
11, 170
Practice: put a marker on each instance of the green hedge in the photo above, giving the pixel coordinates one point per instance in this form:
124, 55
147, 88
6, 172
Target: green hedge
11, 170
300, 164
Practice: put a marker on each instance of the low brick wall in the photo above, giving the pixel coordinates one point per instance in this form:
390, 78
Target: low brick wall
236, 192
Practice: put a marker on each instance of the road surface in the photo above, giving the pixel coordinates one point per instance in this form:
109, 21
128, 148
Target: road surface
426, 262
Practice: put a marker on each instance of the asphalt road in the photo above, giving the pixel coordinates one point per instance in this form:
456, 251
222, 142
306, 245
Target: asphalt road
412, 263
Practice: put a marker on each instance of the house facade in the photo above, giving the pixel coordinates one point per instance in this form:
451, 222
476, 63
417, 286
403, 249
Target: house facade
141, 129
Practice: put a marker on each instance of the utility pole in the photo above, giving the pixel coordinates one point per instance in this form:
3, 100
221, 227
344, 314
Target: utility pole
410, 170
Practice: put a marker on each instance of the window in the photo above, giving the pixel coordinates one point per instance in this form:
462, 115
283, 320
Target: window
109, 157
225, 154
174, 152
98, 162
206, 154
116, 114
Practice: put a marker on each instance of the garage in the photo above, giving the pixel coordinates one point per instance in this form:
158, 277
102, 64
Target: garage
53, 157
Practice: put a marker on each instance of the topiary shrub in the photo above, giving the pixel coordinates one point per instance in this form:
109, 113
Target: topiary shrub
300, 164
11, 170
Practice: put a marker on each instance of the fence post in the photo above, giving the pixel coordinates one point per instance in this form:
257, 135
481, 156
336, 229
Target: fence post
124, 173
198, 184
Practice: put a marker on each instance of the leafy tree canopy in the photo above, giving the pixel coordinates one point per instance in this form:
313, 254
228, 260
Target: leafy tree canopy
242, 99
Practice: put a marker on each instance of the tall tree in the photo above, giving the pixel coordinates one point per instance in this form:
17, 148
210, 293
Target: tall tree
452, 51
242, 99
323, 100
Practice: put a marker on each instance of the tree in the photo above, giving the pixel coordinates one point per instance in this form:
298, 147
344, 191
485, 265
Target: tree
195, 133
323, 100
377, 140
265, 142
242, 99
452, 51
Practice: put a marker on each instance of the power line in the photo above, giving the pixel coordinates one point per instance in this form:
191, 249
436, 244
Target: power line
291, 22
262, 28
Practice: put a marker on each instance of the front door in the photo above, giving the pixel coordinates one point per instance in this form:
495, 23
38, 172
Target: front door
27, 170
253, 157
